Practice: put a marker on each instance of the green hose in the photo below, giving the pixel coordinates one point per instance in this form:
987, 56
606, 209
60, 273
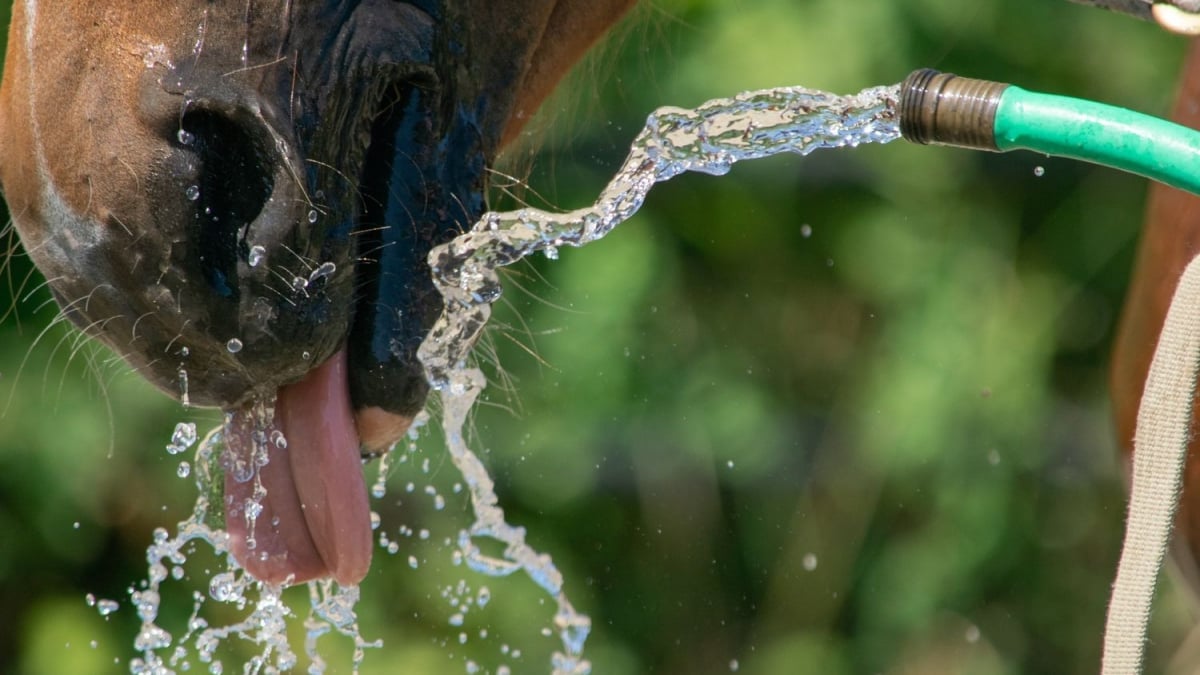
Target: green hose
949, 110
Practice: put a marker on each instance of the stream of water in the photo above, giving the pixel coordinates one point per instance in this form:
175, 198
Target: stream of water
708, 139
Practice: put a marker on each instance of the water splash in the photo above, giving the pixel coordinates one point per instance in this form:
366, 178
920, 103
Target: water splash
709, 139
264, 613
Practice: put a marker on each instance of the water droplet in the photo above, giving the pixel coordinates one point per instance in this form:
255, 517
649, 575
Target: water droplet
184, 352
973, 634
305, 355
146, 602
551, 252
183, 388
184, 470
324, 270
806, 230
810, 562
222, 587
375, 521
993, 457
1039, 171
193, 192
412, 561
263, 312
253, 509
234, 345
106, 607
182, 438
456, 619
255, 256
312, 216
184, 137
734, 665
278, 439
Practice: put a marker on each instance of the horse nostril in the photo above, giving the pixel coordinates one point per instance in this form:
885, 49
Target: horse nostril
233, 181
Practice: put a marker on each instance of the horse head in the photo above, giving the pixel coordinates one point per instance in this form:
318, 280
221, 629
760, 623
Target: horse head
238, 198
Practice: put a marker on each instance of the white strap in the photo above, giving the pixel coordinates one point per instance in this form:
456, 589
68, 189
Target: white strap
1160, 447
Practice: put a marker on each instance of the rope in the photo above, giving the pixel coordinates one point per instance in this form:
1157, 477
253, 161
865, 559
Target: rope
1160, 447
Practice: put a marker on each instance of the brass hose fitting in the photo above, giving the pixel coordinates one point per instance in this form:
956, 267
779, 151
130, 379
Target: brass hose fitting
945, 109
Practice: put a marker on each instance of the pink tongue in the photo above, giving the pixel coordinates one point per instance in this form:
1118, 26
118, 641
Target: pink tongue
315, 521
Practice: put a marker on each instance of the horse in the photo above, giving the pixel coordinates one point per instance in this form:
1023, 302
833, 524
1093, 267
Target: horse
245, 195
238, 199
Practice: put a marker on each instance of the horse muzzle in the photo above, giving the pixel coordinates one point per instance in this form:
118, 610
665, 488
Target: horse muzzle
245, 220
238, 198
266, 199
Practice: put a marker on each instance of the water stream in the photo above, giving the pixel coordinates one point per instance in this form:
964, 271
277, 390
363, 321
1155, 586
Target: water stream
708, 139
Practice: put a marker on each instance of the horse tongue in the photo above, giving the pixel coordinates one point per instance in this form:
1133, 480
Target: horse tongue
315, 521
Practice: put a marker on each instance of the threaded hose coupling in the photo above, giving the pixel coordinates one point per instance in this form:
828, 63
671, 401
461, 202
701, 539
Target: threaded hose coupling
945, 109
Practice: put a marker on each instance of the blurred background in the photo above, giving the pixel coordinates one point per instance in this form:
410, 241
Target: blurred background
837, 414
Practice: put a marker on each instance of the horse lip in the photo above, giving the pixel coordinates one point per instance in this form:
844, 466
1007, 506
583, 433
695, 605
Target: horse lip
421, 178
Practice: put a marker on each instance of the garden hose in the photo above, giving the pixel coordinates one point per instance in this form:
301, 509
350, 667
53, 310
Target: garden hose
944, 109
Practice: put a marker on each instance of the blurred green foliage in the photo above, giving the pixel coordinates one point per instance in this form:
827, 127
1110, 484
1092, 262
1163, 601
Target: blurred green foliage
880, 443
